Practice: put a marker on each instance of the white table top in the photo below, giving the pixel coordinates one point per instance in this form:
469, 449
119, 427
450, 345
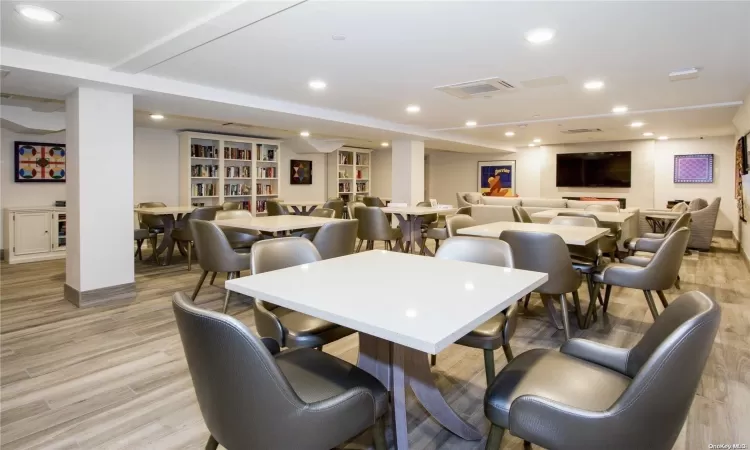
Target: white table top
276, 223
161, 210
302, 203
610, 217
572, 235
413, 303
417, 210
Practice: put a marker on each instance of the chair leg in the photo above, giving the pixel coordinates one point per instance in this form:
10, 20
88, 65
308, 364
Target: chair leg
607, 292
495, 438
433, 360
200, 283
489, 366
437, 244
663, 299
677, 281
508, 352
190, 255
213, 277
138, 250
230, 276
154, 243
577, 303
359, 247
526, 301
378, 434
526, 445
564, 313
212, 443
593, 295
651, 304
370, 245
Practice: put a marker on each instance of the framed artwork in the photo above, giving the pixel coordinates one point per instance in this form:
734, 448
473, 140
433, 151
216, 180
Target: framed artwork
301, 172
39, 162
694, 168
497, 178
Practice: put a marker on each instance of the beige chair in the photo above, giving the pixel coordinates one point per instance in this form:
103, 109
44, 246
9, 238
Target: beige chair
607, 244
239, 238
373, 201
680, 207
337, 205
590, 396
703, 225
520, 215
650, 242
697, 204
287, 327
374, 226
464, 210
227, 206
497, 331
457, 222
184, 236
351, 206
140, 235
276, 208
336, 239
602, 208
309, 233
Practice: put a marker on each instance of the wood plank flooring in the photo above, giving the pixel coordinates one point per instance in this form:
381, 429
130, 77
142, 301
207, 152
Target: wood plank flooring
115, 377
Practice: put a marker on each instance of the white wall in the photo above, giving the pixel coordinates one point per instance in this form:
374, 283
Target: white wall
156, 156
302, 192
742, 125
380, 172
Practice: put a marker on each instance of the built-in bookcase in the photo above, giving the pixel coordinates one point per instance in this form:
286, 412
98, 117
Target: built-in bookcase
218, 168
349, 173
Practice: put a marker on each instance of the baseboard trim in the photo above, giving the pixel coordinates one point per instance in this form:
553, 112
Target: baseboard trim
724, 233
122, 293
744, 258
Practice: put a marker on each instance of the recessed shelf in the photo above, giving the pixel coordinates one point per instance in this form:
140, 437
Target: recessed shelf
238, 178
266, 195
205, 196
342, 192
245, 195
266, 178
362, 179
201, 157
266, 162
204, 178
243, 160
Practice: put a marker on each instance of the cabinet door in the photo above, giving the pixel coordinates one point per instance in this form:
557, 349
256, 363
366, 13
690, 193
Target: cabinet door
31, 233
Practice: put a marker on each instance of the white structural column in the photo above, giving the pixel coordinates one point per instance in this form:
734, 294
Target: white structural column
99, 176
407, 172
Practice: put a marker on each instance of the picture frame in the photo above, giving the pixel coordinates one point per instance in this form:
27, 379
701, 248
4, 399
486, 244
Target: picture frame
39, 162
697, 168
300, 172
497, 178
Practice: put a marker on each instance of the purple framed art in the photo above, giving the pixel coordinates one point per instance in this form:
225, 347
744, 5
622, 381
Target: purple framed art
694, 168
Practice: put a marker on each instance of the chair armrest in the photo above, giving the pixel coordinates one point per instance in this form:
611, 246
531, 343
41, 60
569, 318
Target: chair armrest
271, 345
648, 245
603, 355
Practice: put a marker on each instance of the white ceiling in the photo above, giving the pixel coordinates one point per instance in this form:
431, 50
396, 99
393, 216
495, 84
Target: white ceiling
396, 53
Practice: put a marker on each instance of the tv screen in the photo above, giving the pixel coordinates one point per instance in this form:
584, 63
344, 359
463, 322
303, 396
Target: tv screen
606, 169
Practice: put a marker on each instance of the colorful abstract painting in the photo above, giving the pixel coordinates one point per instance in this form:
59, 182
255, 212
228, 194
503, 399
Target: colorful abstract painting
694, 168
35, 161
301, 172
497, 178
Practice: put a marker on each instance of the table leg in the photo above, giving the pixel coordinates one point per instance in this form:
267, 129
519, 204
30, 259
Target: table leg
405, 225
296, 210
166, 240
312, 208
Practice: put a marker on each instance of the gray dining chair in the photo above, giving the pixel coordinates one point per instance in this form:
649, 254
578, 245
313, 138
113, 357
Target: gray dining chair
658, 275
336, 239
215, 254
608, 243
351, 206
374, 226
153, 223
227, 206
184, 236
337, 205
496, 332
287, 327
240, 239
547, 253
139, 236
373, 201
602, 208
683, 220
309, 233
276, 208
520, 215
590, 396
457, 222
252, 395
464, 210
431, 229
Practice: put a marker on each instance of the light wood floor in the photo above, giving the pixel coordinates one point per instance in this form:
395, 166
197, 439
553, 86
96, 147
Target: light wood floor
116, 377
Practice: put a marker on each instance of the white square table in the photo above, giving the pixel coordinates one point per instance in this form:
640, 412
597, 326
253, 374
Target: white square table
603, 216
410, 222
274, 224
401, 320
303, 208
168, 215
572, 235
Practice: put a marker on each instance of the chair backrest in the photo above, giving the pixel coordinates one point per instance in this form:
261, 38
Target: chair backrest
697, 204
149, 220
458, 221
581, 214
544, 252
477, 250
680, 207
274, 208
280, 253
372, 201
226, 206
520, 215
213, 249
323, 212
351, 206
464, 210
151, 205
242, 393
233, 214
204, 213
429, 218
373, 224
666, 366
337, 205
336, 239
661, 272
575, 221
602, 208
682, 221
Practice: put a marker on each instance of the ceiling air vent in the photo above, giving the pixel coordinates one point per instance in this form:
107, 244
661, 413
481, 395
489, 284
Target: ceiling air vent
477, 88
582, 130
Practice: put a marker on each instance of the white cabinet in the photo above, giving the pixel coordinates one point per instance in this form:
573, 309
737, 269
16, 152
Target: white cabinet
34, 234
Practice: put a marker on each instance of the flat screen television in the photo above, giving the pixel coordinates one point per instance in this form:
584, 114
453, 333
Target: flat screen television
604, 169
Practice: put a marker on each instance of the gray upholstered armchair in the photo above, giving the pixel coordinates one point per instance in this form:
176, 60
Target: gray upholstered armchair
592, 396
702, 227
468, 199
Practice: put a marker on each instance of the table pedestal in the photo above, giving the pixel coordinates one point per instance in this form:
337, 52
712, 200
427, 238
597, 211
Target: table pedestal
166, 241
397, 366
302, 210
411, 228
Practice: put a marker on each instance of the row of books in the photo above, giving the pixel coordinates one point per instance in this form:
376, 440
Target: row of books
203, 190
236, 189
345, 158
260, 206
345, 186
204, 151
204, 170
362, 159
237, 171
237, 153
361, 186
266, 152
263, 189
267, 172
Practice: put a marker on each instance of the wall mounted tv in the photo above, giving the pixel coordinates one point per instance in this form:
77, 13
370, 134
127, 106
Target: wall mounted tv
604, 169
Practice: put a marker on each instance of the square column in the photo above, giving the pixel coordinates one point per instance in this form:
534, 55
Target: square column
99, 176
407, 172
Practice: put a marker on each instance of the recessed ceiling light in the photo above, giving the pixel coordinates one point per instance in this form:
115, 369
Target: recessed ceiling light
157, 116
532, 145
38, 14
663, 138
648, 134
510, 133
338, 37
537, 140
413, 109
593, 85
384, 144
304, 133
636, 124
539, 35
523, 125
317, 85
535, 116
620, 109
471, 123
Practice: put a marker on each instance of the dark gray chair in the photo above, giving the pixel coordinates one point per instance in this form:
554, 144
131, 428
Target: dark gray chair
590, 396
252, 396
497, 331
215, 254
337, 205
276, 208
520, 215
373, 201
374, 226
290, 328
184, 236
547, 252
457, 222
336, 239
658, 275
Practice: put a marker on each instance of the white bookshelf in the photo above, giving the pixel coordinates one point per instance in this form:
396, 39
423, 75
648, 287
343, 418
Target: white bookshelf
349, 173
217, 168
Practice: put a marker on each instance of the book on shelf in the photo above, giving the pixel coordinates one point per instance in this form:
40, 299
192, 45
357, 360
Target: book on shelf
263, 189
361, 159
204, 151
203, 189
260, 206
361, 186
345, 186
345, 158
237, 153
266, 152
236, 189
267, 172
204, 170
237, 171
